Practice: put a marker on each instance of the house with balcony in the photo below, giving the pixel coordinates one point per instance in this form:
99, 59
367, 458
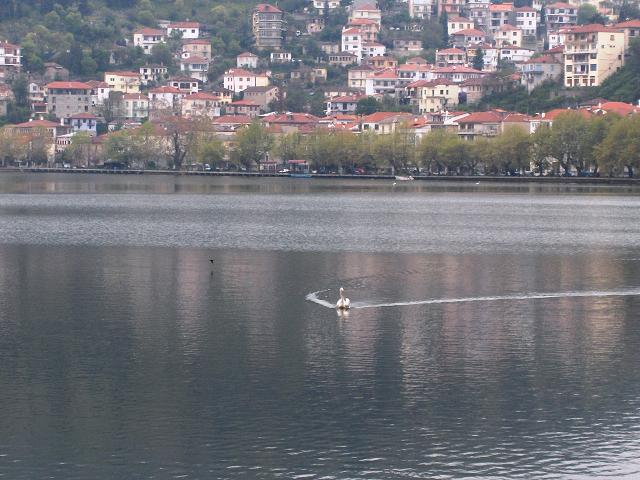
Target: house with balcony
373, 50
365, 11
412, 72
153, 73
357, 76
384, 123
591, 54
147, 38
480, 124
343, 59
196, 67
384, 82
186, 85
422, 8
268, 26
560, 15
455, 74
280, 57
464, 37
165, 99
527, 19
515, 55
352, 42
99, 92
500, 14
380, 61
321, 5
346, 104
433, 96
10, 60
136, 106
478, 12
451, 56
368, 28
83, 122
537, 70
202, 104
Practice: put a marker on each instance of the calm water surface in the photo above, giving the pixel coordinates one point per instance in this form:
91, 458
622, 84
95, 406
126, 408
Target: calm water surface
497, 333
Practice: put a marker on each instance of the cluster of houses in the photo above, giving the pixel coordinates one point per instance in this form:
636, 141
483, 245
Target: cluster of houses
581, 55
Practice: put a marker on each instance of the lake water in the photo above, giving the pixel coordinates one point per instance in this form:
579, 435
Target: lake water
495, 331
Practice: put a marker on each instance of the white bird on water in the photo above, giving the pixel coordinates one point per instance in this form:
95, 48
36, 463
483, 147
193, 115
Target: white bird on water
343, 303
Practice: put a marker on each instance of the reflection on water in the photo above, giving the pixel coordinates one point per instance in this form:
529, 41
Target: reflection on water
124, 361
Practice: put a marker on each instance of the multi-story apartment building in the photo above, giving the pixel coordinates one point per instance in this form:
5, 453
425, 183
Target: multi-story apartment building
357, 76
500, 14
422, 8
527, 19
67, 98
537, 70
136, 106
147, 38
433, 96
268, 26
352, 42
591, 54
450, 56
384, 82
368, 27
10, 60
196, 67
559, 15
366, 12
478, 11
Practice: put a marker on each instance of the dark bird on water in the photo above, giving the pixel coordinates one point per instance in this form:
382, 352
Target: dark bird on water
211, 260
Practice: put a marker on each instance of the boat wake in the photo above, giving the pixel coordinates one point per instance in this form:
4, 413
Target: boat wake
314, 297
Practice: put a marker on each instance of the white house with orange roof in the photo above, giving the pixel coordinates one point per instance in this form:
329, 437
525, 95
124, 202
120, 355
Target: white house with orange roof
367, 11
508, 35
464, 37
373, 49
450, 56
456, 23
186, 30
455, 74
516, 55
385, 123
351, 42
368, 28
147, 38
384, 82
247, 60
500, 14
345, 104
527, 19
238, 79
125, 82
411, 72
99, 92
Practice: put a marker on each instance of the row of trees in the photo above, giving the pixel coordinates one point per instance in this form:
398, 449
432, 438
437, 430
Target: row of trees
575, 143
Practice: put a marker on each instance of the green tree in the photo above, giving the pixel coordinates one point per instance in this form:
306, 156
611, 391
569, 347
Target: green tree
253, 144
621, 147
290, 147
478, 60
367, 106
588, 14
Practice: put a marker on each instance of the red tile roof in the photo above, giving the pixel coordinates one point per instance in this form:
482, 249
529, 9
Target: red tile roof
202, 96
38, 124
450, 51
629, 24
135, 96
481, 117
149, 31
247, 54
83, 115
378, 117
593, 28
560, 5
68, 85
184, 25
266, 8
122, 74
508, 28
501, 7
469, 32
164, 90
285, 118
543, 59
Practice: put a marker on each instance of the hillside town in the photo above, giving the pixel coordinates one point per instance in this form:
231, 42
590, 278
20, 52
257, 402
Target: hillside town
291, 91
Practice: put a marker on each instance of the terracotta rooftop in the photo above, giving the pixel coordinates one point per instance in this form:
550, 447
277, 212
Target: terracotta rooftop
482, 117
266, 8
68, 85
501, 7
469, 31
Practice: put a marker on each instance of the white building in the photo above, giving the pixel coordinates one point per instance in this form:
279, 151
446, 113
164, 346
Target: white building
373, 49
196, 67
515, 54
136, 106
247, 60
147, 38
352, 42
320, 5
421, 8
186, 29
237, 80
527, 20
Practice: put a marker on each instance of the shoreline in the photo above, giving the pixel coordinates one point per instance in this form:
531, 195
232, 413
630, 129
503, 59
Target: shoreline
435, 178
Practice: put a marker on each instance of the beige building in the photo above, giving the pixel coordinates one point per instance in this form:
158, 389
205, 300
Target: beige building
125, 82
261, 96
631, 29
509, 36
366, 12
434, 96
268, 26
200, 47
357, 76
455, 24
67, 98
202, 104
136, 106
591, 54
